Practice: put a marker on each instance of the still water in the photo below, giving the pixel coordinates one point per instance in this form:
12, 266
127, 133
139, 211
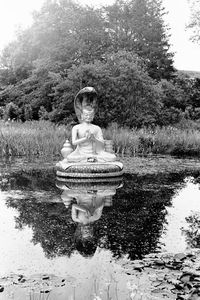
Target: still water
69, 239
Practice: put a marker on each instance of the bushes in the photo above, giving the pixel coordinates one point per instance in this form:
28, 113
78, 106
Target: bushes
126, 93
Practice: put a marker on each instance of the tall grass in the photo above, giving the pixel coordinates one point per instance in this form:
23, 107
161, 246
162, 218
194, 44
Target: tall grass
166, 140
32, 138
43, 138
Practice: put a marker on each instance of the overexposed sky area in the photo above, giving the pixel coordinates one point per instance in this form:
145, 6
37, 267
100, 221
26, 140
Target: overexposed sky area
15, 13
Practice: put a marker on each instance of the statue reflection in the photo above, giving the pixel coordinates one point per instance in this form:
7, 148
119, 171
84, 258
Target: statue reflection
90, 199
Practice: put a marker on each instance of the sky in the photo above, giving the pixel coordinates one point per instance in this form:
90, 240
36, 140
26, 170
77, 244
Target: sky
17, 13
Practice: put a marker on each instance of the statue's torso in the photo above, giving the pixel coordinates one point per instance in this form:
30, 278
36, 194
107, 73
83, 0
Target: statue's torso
83, 128
87, 147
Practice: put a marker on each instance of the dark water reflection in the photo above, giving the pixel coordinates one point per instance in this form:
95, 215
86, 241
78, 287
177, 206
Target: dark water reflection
125, 216
48, 225
129, 220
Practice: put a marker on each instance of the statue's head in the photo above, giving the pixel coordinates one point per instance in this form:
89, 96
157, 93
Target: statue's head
87, 114
85, 240
86, 98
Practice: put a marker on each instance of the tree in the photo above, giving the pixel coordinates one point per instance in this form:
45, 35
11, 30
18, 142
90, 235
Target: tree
28, 113
138, 25
122, 50
194, 24
43, 114
2, 111
126, 94
11, 111
50, 41
16, 59
92, 35
64, 33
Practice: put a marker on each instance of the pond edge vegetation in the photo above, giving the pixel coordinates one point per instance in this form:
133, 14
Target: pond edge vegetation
43, 138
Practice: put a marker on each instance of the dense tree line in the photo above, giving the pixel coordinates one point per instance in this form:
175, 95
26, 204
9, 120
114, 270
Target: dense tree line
122, 50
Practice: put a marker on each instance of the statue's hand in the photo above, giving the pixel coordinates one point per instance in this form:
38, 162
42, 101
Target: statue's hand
92, 137
88, 134
88, 214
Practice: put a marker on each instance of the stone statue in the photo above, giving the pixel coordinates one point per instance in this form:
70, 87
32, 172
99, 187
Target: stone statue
89, 142
87, 137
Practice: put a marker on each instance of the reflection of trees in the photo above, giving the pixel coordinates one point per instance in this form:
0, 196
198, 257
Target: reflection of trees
32, 180
192, 233
51, 223
132, 225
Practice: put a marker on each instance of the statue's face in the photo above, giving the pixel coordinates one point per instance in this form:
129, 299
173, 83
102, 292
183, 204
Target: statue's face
87, 115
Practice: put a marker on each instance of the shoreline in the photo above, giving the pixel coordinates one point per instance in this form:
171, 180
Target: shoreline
138, 165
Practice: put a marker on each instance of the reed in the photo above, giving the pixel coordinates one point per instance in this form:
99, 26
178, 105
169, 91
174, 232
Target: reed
42, 138
32, 138
166, 140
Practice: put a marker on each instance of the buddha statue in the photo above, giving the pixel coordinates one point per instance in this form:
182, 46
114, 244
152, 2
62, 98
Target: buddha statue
89, 143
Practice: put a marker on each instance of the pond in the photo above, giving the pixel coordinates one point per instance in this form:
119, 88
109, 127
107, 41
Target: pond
74, 239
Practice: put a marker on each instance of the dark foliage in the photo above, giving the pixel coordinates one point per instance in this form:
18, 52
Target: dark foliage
118, 49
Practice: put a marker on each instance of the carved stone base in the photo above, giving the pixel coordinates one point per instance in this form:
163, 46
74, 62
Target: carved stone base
89, 170
89, 183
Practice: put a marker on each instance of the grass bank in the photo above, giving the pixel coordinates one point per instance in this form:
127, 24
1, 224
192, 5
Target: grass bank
43, 138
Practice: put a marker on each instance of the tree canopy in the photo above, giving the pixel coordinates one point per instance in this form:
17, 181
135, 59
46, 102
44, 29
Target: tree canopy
121, 49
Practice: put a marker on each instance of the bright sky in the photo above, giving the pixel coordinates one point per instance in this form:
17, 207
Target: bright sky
15, 13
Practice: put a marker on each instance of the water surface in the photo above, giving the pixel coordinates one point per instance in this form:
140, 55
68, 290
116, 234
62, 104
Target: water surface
67, 240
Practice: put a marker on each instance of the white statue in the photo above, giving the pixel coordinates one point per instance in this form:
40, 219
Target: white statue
89, 142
